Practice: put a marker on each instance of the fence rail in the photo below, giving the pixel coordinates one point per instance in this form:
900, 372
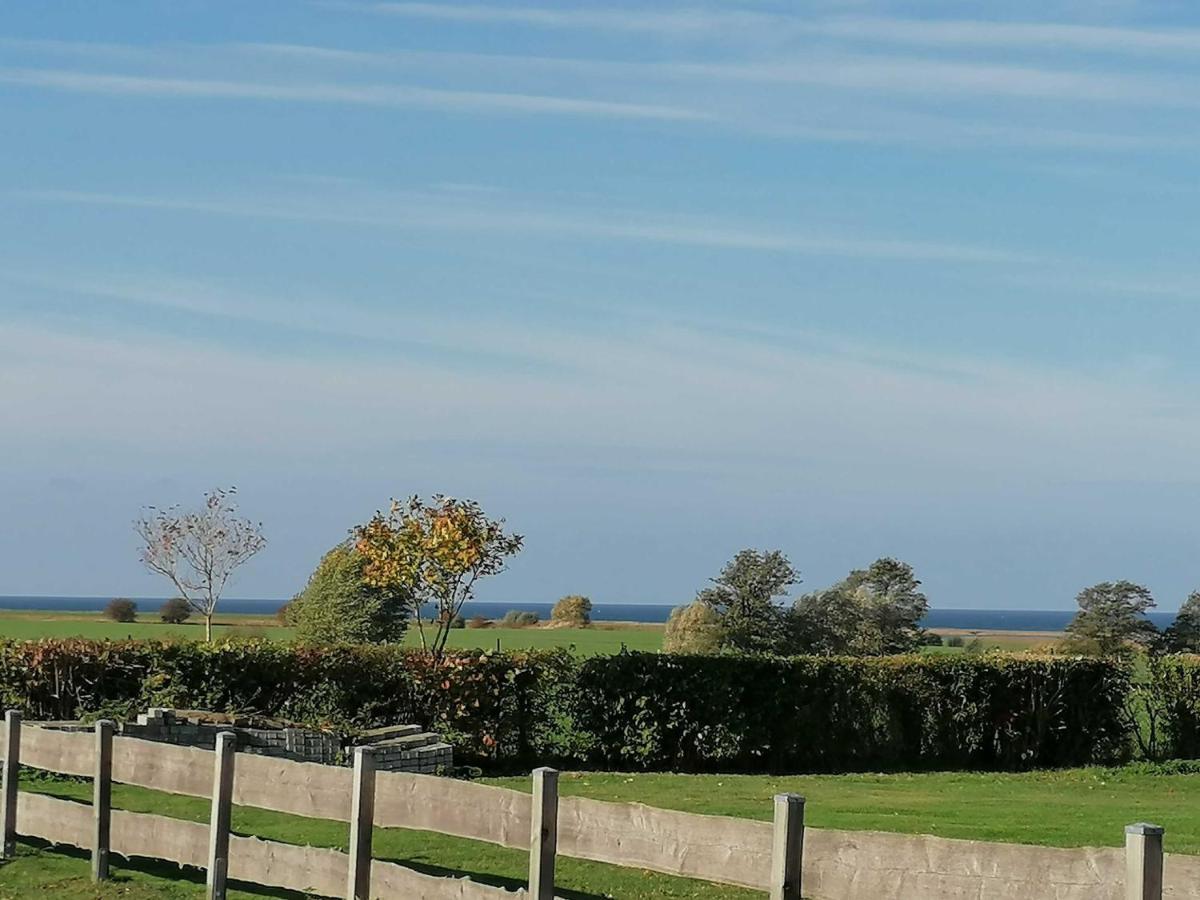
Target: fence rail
775, 857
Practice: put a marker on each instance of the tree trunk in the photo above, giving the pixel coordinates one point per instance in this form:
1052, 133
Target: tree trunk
208, 627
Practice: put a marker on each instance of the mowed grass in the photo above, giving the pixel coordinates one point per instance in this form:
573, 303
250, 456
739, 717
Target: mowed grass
601, 638
1069, 808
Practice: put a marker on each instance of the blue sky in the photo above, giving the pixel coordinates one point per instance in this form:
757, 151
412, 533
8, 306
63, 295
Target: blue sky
654, 282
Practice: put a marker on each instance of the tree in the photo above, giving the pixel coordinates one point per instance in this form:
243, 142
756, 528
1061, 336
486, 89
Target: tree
1111, 618
1183, 635
744, 596
573, 609
695, 628
434, 552
175, 611
875, 611
198, 551
121, 610
340, 605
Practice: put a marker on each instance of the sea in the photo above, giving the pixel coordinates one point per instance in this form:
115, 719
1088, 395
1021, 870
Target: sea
964, 619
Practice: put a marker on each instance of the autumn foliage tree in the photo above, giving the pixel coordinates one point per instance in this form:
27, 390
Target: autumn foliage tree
434, 552
199, 550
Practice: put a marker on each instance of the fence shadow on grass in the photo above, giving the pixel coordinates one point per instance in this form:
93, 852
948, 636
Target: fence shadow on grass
168, 871
508, 884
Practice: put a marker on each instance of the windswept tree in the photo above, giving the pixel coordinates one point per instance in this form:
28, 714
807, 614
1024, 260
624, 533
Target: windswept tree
1111, 619
1183, 635
744, 596
338, 605
199, 550
435, 553
874, 611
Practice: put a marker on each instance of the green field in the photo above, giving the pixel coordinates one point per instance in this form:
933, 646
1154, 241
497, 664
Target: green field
1079, 807
600, 638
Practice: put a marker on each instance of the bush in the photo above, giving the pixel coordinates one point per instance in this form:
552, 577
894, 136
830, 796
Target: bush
931, 639
955, 640
516, 618
1164, 709
339, 606
479, 622
175, 611
695, 628
458, 622
574, 609
633, 710
121, 610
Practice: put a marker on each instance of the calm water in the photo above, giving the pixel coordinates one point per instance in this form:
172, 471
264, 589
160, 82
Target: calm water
969, 619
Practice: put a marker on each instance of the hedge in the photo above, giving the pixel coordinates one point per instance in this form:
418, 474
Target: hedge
833, 714
629, 711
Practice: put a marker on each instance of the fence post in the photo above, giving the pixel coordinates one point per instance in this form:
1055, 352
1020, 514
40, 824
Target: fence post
543, 838
1143, 861
102, 800
8, 788
787, 848
362, 821
219, 817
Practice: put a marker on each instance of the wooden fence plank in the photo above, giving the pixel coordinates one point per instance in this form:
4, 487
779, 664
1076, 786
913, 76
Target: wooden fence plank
787, 848
543, 835
1143, 862
219, 818
9, 782
362, 824
102, 800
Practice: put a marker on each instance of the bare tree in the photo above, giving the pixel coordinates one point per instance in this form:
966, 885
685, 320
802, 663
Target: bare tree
198, 551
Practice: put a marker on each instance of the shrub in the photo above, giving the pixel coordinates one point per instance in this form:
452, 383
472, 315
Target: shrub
931, 639
516, 618
121, 610
695, 628
573, 609
338, 605
458, 622
175, 611
955, 640
1164, 709
479, 622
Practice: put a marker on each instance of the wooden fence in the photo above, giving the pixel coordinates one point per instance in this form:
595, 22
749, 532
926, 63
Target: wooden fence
775, 857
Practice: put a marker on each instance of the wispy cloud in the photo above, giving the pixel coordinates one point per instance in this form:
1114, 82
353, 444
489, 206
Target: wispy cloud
673, 22
713, 22
360, 94
1013, 35
742, 397
812, 92
419, 212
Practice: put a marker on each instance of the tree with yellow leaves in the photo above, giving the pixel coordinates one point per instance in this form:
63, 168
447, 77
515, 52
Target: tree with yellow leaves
435, 552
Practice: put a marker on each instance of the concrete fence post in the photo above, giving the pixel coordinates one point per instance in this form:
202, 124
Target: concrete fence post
362, 821
9, 782
219, 817
1143, 862
543, 837
787, 848
102, 800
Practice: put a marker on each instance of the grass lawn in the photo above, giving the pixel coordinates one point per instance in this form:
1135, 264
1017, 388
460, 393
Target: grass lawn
598, 639
1078, 807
